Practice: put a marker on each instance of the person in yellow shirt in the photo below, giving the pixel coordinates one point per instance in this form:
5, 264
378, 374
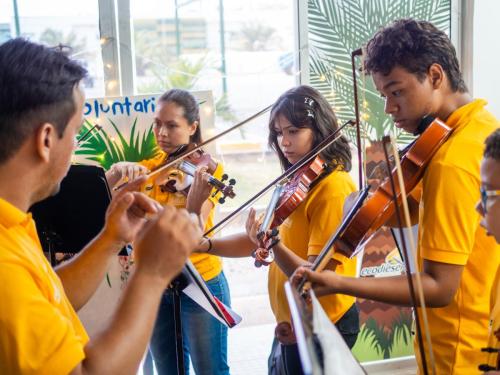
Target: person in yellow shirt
41, 113
177, 123
416, 71
300, 119
489, 208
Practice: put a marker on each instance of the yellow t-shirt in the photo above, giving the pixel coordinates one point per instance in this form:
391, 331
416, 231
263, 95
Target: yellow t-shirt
493, 342
305, 232
209, 266
40, 332
449, 232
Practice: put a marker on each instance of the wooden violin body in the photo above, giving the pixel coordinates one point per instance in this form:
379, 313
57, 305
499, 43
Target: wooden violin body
296, 191
291, 195
379, 207
178, 176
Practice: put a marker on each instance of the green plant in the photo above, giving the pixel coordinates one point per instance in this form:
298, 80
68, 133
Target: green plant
53, 37
224, 110
256, 36
338, 27
402, 345
366, 348
385, 341
106, 150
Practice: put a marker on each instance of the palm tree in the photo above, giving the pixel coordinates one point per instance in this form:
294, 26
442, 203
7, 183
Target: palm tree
53, 37
338, 27
256, 36
104, 149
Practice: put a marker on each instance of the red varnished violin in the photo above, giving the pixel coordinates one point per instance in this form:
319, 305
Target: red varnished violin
287, 196
371, 212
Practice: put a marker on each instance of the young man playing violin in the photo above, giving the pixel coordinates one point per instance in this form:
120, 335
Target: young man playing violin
41, 113
489, 209
415, 69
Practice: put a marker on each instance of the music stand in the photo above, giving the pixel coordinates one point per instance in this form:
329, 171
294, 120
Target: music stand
321, 347
68, 221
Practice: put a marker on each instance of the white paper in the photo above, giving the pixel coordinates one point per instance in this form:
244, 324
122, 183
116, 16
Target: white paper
337, 356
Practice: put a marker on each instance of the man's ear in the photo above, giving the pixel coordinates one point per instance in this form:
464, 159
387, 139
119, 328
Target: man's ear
44, 141
436, 75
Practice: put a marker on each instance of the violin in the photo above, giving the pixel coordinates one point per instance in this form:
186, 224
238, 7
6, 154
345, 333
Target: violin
178, 176
287, 196
370, 212
380, 206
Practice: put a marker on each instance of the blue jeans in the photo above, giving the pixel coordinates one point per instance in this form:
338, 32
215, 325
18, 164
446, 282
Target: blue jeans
204, 337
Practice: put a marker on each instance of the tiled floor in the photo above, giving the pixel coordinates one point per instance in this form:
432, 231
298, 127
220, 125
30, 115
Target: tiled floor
249, 348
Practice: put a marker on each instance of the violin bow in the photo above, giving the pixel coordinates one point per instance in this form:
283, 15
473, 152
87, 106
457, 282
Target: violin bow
290, 171
387, 140
358, 52
84, 137
190, 152
326, 253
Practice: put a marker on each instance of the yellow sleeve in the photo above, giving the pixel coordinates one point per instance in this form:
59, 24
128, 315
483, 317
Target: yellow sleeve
153, 162
35, 338
450, 221
325, 215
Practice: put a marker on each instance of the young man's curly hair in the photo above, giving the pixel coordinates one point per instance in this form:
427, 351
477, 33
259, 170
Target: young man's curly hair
415, 46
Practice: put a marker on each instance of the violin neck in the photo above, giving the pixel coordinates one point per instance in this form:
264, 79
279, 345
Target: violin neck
190, 169
268, 216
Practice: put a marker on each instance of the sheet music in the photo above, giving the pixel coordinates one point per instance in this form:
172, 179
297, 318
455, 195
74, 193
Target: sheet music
198, 291
337, 357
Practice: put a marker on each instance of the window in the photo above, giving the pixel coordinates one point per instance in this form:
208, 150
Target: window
486, 54
52, 22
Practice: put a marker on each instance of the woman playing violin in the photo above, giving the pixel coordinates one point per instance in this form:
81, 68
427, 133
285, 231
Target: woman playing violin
177, 123
299, 120
415, 69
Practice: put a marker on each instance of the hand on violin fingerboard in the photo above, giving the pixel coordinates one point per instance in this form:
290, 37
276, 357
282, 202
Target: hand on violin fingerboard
252, 226
199, 191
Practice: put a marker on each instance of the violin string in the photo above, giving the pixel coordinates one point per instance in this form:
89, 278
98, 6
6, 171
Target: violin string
418, 279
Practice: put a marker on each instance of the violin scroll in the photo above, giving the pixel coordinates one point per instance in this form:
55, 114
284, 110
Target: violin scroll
220, 186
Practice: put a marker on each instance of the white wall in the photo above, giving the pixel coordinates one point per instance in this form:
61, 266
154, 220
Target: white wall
486, 68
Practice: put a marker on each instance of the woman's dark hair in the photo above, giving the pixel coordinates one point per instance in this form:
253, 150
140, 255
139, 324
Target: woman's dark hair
36, 87
492, 149
191, 108
305, 107
415, 46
